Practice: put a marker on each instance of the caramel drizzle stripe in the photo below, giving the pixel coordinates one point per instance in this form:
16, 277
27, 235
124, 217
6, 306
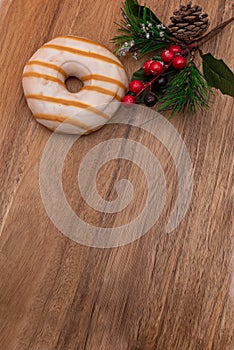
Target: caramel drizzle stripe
68, 103
105, 79
83, 53
61, 119
47, 65
90, 88
84, 40
43, 76
102, 91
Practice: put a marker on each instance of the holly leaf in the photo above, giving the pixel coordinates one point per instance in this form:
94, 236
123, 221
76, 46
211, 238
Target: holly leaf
143, 13
156, 58
140, 99
139, 75
218, 74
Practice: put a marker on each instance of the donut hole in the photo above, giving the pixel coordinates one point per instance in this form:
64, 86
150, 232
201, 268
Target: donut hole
73, 84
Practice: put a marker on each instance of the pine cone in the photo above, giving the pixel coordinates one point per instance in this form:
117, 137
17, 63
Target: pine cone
189, 22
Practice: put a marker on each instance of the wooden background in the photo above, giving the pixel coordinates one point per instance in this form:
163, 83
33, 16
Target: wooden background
166, 292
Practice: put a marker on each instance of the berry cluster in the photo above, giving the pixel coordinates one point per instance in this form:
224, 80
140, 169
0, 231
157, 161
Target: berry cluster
172, 58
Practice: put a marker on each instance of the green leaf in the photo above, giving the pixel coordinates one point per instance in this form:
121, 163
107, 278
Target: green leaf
218, 74
140, 99
141, 27
156, 58
139, 75
149, 15
131, 3
141, 11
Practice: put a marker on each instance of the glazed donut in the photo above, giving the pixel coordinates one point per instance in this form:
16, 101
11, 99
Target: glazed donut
103, 76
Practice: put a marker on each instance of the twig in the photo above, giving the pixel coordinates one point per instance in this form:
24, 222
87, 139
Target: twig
212, 33
149, 84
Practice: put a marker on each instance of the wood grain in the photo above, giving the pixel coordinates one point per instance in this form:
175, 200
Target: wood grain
162, 292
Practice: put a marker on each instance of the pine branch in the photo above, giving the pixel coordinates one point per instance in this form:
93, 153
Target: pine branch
140, 31
186, 92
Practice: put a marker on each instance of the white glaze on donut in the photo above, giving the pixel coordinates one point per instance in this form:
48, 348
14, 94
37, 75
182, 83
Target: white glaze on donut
101, 72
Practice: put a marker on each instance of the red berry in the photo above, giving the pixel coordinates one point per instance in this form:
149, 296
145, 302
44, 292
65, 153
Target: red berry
175, 48
179, 62
129, 99
146, 67
135, 86
167, 56
156, 68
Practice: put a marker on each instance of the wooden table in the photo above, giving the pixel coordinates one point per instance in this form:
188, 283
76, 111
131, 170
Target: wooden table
164, 291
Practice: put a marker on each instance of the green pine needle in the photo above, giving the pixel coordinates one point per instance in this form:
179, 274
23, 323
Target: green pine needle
187, 91
140, 31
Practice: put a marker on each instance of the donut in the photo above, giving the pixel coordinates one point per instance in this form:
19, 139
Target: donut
102, 74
